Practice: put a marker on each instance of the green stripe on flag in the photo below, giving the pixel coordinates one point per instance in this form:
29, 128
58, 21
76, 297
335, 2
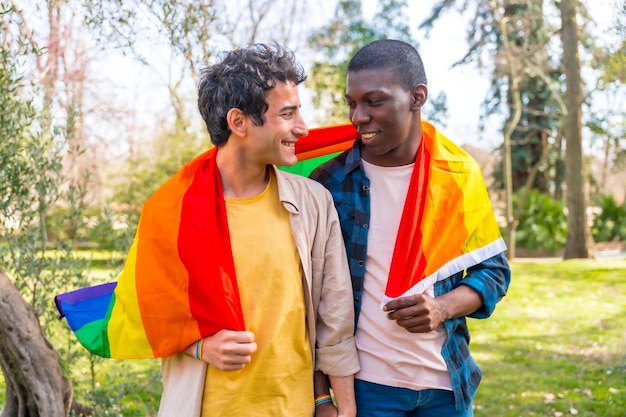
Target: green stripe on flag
94, 336
91, 337
307, 166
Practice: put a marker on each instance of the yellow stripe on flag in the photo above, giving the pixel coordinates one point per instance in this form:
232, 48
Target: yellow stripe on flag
126, 333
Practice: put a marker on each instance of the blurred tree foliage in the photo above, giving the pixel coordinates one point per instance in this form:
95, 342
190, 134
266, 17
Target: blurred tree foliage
538, 140
31, 186
535, 142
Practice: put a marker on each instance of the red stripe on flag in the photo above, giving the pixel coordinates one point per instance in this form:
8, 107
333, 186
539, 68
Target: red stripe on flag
204, 248
409, 261
322, 137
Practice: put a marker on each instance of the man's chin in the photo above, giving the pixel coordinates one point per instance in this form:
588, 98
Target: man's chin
288, 162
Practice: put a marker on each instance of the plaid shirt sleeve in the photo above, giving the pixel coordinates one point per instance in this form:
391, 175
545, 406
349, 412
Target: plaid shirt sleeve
490, 279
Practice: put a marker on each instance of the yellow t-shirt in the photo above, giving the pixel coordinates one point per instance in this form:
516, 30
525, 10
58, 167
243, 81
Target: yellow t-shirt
279, 379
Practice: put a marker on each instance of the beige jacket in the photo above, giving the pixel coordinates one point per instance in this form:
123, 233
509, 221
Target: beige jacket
328, 296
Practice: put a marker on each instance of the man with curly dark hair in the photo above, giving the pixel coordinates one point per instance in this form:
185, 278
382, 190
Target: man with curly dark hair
283, 243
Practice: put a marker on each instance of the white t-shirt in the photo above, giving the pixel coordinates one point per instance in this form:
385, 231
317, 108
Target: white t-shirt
388, 353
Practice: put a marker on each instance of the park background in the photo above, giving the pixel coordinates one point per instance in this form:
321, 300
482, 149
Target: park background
98, 109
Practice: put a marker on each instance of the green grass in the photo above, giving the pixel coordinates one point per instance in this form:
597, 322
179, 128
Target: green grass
556, 345
103, 265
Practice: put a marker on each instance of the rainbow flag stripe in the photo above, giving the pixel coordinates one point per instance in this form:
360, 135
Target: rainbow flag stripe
320, 145
87, 311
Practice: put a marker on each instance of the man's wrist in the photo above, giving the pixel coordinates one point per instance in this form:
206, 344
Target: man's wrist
323, 399
326, 409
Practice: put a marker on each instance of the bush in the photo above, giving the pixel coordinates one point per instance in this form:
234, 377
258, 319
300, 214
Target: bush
543, 224
610, 224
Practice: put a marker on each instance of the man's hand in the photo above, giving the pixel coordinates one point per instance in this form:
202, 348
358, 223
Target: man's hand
417, 313
422, 314
228, 350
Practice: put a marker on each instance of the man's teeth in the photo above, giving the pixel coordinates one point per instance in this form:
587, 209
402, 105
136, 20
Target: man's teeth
290, 144
368, 135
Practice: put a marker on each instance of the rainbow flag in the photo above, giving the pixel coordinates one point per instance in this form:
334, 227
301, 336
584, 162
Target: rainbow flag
320, 145
178, 284
447, 223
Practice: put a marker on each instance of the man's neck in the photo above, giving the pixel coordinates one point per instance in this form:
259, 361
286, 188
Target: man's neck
241, 178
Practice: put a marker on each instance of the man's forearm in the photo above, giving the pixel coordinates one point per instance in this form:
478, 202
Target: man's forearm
343, 389
321, 384
460, 302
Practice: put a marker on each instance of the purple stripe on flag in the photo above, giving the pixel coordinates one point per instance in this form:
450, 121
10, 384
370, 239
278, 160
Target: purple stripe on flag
86, 304
83, 294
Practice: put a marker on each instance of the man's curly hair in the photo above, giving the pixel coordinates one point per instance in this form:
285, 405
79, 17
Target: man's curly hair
242, 79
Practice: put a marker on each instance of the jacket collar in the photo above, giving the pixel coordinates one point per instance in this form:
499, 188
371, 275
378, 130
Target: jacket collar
286, 192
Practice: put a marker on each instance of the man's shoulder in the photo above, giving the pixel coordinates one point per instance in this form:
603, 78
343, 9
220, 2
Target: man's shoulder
332, 170
298, 182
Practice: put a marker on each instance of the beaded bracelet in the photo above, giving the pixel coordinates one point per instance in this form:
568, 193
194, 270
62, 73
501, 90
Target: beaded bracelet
322, 399
199, 349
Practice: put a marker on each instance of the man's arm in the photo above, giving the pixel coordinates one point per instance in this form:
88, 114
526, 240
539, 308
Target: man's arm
343, 389
491, 280
476, 296
321, 388
335, 345
421, 313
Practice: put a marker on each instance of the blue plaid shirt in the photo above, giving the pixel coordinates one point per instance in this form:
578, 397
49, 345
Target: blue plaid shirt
344, 177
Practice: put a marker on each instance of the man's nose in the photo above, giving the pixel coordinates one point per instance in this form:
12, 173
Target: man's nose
300, 127
359, 115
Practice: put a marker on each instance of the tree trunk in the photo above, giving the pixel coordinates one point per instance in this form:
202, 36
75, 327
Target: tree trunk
35, 385
578, 234
511, 125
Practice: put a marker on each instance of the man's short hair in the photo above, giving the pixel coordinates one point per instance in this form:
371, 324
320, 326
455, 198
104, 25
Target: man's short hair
402, 58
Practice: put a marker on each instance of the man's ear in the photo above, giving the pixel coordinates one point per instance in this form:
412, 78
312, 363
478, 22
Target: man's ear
237, 122
420, 95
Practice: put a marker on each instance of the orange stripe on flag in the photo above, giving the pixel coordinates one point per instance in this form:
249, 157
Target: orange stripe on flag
339, 147
163, 281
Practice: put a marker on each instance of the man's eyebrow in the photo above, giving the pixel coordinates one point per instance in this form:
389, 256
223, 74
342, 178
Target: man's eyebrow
290, 107
369, 93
